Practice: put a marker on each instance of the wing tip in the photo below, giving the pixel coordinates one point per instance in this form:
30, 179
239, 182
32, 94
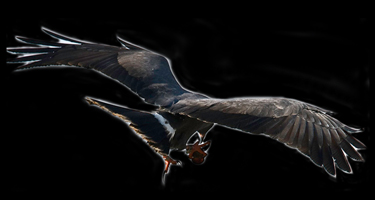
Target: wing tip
62, 38
21, 39
351, 130
26, 40
128, 45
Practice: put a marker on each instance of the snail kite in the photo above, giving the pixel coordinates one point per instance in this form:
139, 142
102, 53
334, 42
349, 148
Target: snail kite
309, 129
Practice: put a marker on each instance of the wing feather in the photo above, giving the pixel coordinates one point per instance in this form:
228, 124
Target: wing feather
353, 153
316, 154
294, 132
262, 127
340, 158
146, 73
61, 37
352, 140
302, 136
38, 42
28, 50
328, 162
285, 133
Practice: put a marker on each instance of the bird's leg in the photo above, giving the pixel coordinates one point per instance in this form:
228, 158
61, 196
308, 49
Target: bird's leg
196, 147
168, 161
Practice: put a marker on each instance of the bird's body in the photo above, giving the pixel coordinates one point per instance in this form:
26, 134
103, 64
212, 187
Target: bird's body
182, 113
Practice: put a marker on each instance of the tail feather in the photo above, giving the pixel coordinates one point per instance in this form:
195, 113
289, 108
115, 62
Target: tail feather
146, 125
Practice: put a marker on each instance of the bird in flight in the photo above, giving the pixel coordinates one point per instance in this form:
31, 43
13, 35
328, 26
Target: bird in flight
181, 113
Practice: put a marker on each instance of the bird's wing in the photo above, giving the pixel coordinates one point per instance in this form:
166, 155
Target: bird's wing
302, 126
147, 125
146, 73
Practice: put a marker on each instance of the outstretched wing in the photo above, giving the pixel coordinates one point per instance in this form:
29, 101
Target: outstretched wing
144, 72
296, 124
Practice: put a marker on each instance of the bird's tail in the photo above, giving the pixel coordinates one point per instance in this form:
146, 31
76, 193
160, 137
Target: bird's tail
149, 126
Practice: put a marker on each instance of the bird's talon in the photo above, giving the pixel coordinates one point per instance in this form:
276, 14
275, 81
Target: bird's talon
168, 161
205, 144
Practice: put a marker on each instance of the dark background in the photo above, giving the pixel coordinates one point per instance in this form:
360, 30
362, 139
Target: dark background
57, 143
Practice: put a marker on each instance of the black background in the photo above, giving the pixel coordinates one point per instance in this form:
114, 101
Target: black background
57, 143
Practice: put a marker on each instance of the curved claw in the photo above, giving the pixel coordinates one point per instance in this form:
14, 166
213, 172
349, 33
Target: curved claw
168, 161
